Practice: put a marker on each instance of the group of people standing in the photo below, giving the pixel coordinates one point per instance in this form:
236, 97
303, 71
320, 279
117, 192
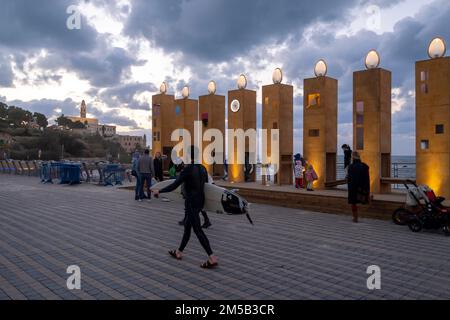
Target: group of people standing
144, 169
304, 171
193, 177
356, 175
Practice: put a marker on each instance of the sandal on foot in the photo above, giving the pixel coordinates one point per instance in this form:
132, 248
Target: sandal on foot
209, 265
173, 253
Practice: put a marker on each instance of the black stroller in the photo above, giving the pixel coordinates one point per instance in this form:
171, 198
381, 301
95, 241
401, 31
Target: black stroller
423, 210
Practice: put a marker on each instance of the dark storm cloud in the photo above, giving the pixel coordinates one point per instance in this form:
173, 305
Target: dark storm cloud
6, 73
29, 25
48, 107
221, 29
106, 69
123, 95
26, 28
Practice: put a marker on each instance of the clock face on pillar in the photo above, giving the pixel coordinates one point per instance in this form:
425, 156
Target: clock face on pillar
235, 105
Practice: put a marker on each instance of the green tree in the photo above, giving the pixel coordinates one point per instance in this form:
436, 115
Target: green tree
41, 119
18, 116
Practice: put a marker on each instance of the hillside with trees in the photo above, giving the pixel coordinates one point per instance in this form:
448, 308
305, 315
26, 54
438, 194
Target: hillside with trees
31, 137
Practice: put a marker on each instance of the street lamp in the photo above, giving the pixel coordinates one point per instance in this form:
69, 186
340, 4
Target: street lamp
163, 88
372, 60
321, 68
277, 76
242, 82
185, 92
212, 87
437, 48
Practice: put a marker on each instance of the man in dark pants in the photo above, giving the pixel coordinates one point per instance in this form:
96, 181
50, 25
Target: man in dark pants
147, 170
358, 184
194, 177
158, 165
206, 222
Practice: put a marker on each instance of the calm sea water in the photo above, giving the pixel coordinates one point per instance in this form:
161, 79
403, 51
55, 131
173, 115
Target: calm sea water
402, 167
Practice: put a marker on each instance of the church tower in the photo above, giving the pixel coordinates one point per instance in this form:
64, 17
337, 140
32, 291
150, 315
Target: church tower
83, 110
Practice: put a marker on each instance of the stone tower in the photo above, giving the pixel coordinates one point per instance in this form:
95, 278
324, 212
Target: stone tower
432, 124
320, 109
83, 109
278, 113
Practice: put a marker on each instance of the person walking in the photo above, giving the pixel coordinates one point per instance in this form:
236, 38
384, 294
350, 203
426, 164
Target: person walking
194, 177
311, 176
147, 171
158, 164
135, 173
358, 180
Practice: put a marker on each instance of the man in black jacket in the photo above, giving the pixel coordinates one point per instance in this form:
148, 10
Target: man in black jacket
158, 164
358, 180
194, 177
347, 155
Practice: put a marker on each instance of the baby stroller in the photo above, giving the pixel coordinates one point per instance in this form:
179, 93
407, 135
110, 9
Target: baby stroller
423, 209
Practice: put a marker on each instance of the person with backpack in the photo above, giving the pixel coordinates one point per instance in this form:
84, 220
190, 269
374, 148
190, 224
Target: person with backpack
193, 176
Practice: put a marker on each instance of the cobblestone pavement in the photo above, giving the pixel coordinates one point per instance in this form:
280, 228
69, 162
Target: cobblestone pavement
121, 247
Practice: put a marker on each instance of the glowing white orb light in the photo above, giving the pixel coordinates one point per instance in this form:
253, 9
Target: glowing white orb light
242, 82
185, 92
277, 76
437, 48
321, 68
163, 88
212, 87
372, 59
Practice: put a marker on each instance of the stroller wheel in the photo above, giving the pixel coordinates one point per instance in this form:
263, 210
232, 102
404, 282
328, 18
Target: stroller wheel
400, 216
446, 228
415, 225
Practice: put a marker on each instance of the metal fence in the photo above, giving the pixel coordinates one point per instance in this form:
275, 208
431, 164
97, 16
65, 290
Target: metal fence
69, 172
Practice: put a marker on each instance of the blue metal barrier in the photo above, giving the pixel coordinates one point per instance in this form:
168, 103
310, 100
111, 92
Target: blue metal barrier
113, 174
70, 173
50, 171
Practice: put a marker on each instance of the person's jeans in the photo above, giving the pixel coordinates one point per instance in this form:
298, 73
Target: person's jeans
137, 190
146, 177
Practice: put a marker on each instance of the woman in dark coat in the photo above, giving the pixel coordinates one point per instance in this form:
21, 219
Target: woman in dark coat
358, 184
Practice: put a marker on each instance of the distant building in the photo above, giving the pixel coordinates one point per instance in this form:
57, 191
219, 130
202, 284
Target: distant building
131, 143
92, 124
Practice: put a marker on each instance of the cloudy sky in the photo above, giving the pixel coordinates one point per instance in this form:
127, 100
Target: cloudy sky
126, 48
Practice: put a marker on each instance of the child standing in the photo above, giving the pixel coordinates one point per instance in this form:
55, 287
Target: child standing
298, 172
311, 176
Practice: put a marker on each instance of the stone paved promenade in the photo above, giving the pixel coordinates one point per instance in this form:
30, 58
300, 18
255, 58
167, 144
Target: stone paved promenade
121, 247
